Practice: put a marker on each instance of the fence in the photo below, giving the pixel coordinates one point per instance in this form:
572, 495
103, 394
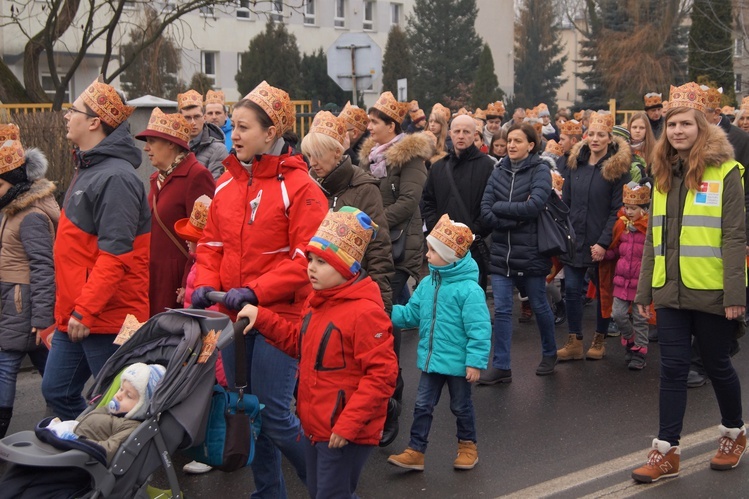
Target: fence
624, 114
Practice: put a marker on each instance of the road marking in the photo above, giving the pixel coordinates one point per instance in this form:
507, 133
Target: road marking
608, 468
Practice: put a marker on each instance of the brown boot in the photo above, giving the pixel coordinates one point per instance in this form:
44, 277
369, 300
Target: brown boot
597, 349
467, 457
572, 350
663, 462
409, 459
730, 449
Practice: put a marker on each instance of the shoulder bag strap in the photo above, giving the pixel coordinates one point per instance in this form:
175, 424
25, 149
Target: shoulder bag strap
168, 232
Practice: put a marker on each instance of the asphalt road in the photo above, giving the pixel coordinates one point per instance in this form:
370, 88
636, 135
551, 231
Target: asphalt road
577, 433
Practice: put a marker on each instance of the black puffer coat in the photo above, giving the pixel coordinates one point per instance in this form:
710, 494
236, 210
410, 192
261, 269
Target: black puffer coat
511, 204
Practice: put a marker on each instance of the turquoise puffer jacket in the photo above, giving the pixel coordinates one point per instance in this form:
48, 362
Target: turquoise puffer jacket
450, 310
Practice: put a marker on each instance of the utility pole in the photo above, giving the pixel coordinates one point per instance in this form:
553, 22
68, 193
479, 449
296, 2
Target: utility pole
353, 75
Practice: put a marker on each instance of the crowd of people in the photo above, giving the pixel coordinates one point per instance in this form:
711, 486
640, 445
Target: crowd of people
316, 244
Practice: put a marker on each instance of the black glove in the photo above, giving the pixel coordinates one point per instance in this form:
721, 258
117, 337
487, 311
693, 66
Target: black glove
200, 297
236, 298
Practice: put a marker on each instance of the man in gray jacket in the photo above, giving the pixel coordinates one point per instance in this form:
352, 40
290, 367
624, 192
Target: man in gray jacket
206, 139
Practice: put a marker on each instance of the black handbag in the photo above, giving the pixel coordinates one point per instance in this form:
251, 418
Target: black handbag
556, 236
398, 241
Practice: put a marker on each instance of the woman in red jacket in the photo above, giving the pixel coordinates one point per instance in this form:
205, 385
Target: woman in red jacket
179, 180
265, 211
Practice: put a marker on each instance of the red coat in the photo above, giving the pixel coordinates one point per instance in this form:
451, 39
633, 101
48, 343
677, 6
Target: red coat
258, 229
168, 265
347, 365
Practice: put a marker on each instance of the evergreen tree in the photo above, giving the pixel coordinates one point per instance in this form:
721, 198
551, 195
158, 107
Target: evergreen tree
486, 86
396, 63
201, 83
539, 62
445, 48
273, 56
315, 82
711, 44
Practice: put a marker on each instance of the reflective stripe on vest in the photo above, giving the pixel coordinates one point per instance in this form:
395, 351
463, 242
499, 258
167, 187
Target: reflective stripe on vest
700, 233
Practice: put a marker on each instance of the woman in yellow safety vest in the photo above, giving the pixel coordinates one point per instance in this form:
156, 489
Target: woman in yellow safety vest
694, 271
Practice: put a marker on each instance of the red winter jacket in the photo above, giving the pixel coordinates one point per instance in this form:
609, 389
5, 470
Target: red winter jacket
347, 365
258, 228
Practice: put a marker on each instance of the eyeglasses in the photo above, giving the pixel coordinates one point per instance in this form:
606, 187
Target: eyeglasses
71, 109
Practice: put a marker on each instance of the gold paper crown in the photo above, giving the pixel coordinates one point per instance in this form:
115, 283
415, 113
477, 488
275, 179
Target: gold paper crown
440, 109
190, 98
174, 125
276, 104
392, 108
199, 214
215, 97
557, 180
346, 233
571, 127
9, 132
496, 109
713, 96
745, 104
728, 110
461, 112
328, 124
554, 148
413, 106
542, 107
689, 95
458, 238
578, 115
479, 125
531, 113
106, 103
601, 121
354, 116
652, 99
417, 116
638, 195
479, 114
11, 156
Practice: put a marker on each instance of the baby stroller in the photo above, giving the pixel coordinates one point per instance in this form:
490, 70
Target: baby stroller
177, 412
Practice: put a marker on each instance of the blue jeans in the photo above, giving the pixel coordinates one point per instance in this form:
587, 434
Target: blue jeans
10, 364
334, 473
574, 292
272, 379
715, 336
427, 397
535, 287
69, 365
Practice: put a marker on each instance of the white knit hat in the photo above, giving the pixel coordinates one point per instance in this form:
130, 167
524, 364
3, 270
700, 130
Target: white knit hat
144, 378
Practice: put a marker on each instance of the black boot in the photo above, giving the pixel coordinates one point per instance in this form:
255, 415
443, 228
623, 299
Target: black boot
560, 313
390, 431
5, 414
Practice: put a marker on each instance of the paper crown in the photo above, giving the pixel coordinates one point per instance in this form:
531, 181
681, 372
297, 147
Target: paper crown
342, 239
652, 100
12, 156
543, 110
479, 114
417, 116
578, 115
634, 193
191, 98
392, 108
326, 123
728, 110
745, 104
9, 132
713, 96
689, 95
457, 237
442, 110
461, 112
215, 97
601, 121
106, 103
495, 110
171, 127
413, 106
557, 180
191, 229
355, 117
571, 127
554, 148
479, 125
531, 113
276, 104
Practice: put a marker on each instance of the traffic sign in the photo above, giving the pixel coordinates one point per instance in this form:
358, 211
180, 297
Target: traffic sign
354, 61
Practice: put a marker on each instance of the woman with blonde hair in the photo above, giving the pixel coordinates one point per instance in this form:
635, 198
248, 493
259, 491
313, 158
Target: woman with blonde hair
643, 140
438, 126
694, 271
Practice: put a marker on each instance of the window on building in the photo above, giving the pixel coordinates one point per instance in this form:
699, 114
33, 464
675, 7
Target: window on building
339, 21
309, 12
49, 88
276, 10
129, 5
243, 9
206, 11
738, 82
395, 14
368, 15
208, 65
738, 49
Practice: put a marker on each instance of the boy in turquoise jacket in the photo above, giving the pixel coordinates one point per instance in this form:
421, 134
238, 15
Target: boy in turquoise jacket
449, 307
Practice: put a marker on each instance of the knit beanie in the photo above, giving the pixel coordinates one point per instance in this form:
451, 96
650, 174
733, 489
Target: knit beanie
144, 378
451, 240
620, 131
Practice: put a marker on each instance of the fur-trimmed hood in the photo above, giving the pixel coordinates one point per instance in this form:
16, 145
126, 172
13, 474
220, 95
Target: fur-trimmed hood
41, 195
717, 148
618, 162
410, 147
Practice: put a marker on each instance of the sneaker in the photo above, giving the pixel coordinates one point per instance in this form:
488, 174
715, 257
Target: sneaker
637, 363
467, 456
695, 379
492, 376
613, 330
409, 459
196, 468
560, 313
546, 367
731, 447
663, 462
526, 313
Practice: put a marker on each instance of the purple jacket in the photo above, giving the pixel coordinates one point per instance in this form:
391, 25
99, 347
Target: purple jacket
629, 255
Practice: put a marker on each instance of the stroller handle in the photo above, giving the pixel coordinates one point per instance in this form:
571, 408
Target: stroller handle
217, 296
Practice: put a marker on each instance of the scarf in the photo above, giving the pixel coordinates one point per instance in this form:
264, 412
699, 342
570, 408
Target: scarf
13, 193
377, 163
164, 174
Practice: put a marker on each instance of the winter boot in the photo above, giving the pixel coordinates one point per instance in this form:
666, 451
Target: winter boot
663, 462
526, 313
597, 349
731, 447
409, 459
560, 313
390, 431
613, 330
467, 457
628, 343
546, 367
5, 414
637, 362
572, 350
492, 376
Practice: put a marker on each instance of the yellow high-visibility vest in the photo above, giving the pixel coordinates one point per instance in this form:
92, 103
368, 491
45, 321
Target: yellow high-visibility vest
700, 234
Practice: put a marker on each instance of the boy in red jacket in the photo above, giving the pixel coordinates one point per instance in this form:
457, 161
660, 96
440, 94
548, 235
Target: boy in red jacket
344, 343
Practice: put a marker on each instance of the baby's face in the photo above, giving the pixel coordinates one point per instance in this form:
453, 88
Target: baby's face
127, 396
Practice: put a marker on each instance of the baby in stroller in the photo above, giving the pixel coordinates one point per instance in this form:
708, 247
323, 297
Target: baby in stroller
100, 432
